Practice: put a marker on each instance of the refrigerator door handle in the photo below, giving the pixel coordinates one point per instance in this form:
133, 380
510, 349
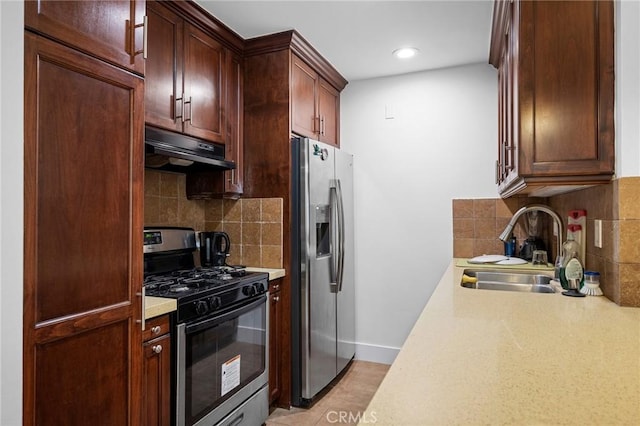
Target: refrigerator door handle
337, 234
340, 240
334, 241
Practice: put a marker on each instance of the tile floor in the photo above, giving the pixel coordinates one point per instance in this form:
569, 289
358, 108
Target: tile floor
349, 396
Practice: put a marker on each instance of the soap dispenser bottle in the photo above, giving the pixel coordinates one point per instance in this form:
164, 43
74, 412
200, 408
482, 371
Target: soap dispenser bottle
572, 270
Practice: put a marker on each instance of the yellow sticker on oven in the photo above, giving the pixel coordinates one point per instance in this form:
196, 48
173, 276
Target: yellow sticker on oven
230, 374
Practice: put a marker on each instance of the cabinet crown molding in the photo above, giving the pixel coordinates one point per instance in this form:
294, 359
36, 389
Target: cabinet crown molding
292, 40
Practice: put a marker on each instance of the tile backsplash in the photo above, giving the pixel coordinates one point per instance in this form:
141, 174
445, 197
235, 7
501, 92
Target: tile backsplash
618, 260
254, 225
478, 222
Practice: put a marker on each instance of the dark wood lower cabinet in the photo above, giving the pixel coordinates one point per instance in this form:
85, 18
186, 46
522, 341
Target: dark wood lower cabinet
157, 373
275, 341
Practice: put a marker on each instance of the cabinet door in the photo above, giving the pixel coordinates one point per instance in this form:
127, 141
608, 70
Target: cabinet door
157, 381
233, 179
567, 88
304, 114
163, 78
106, 29
227, 184
204, 62
507, 141
501, 122
329, 108
275, 342
83, 203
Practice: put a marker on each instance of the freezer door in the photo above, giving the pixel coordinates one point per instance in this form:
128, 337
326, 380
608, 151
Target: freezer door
318, 304
345, 316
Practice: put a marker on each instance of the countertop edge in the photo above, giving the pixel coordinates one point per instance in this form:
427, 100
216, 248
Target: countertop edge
156, 306
274, 273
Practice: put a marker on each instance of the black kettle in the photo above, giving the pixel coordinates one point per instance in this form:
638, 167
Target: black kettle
529, 246
214, 248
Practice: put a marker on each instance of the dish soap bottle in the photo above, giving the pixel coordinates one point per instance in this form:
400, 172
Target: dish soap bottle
572, 270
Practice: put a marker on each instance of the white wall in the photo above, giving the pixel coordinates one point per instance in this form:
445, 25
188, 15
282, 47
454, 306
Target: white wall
627, 88
11, 172
440, 145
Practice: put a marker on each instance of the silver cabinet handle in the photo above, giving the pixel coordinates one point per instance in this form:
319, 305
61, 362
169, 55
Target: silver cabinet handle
157, 349
182, 105
190, 109
276, 298
144, 307
144, 38
176, 109
156, 329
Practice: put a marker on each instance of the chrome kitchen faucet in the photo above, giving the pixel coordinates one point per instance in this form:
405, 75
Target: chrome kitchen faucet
535, 207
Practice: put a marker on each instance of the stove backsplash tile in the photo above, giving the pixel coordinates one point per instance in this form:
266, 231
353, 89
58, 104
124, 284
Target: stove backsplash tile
254, 225
166, 203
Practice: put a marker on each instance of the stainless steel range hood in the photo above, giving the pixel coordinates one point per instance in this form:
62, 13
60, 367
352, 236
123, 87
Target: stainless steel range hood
178, 152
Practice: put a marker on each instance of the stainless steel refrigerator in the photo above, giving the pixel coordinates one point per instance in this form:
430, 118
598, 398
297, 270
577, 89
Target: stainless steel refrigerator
322, 272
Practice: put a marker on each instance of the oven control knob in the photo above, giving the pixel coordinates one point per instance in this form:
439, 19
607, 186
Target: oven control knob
214, 303
202, 307
249, 290
259, 288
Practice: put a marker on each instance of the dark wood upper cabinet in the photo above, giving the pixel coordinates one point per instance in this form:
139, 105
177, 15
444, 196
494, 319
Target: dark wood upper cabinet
163, 91
556, 95
185, 81
234, 179
315, 104
329, 108
203, 84
228, 184
83, 198
194, 85
111, 30
304, 95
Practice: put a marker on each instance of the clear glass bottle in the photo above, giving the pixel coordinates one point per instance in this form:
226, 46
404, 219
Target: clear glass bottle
572, 269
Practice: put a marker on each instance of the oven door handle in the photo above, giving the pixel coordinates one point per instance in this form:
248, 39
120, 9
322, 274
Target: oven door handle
225, 316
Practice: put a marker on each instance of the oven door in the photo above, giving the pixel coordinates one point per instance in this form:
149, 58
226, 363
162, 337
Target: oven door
221, 363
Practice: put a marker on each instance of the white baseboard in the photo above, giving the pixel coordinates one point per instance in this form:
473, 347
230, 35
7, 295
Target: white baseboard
376, 353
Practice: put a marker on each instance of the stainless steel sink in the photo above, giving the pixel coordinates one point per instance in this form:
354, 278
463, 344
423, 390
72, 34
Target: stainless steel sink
523, 281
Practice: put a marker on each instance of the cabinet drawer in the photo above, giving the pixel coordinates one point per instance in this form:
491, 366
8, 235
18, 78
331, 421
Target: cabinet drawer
274, 286
156, 327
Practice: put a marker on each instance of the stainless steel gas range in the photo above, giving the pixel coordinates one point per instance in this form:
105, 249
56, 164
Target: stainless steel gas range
219, 332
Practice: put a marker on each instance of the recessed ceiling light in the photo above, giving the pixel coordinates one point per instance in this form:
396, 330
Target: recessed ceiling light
405, 52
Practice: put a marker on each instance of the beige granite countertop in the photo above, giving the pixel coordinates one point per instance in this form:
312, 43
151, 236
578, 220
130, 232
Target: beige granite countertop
498, 357
274, 273
156, 306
